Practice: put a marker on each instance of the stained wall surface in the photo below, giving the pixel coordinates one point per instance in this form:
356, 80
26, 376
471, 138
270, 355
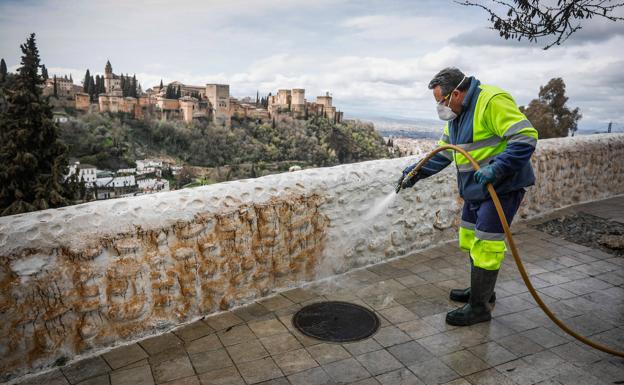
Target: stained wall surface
80, 278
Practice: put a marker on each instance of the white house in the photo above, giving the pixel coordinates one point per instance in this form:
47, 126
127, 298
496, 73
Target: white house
148, 163
86, 172
118, 181
175, 170
149, 170
153, 184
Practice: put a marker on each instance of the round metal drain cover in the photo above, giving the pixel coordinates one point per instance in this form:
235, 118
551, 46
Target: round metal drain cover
336, 321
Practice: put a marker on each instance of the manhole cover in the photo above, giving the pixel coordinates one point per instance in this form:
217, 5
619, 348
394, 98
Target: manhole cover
336, 321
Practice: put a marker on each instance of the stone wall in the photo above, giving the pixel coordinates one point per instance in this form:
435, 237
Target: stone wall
84, 277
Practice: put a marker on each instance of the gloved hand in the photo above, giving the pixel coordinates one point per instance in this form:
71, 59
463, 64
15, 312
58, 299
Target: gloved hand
486, 174
406, 183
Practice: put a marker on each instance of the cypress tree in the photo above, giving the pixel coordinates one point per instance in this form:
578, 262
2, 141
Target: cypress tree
70, 79
134, 87
55, 88
97, 85
123, 85
3, 70
91, 89
100, 85
87, 79
44, 72
178, 93
161, 83
171, 91
32, 159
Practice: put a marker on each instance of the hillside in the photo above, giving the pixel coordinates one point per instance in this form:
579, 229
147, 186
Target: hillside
112, 141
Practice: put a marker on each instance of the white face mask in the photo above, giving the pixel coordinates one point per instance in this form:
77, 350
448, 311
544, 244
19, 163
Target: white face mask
444, 112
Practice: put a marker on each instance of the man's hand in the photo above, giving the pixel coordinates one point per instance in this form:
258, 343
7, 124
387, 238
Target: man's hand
405, 181
486, 174
410, 182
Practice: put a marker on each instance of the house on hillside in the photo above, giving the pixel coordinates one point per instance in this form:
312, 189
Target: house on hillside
86, 172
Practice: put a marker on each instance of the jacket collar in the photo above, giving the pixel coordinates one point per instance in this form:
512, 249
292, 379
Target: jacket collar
474, 84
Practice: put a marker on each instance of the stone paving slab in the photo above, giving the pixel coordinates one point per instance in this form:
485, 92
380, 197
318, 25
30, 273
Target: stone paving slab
257, 344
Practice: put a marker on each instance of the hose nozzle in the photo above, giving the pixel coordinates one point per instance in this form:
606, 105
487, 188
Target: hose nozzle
400, 185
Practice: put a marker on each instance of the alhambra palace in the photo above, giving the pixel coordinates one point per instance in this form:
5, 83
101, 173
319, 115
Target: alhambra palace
211, 102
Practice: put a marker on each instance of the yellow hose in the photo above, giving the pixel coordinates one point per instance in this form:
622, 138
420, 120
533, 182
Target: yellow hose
514, 250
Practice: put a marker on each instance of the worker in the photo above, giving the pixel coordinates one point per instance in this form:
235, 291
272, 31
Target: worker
485, 121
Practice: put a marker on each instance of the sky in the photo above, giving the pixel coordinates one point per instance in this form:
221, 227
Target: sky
375, 57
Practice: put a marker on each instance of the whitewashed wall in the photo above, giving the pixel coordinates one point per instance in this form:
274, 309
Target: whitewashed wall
79, 278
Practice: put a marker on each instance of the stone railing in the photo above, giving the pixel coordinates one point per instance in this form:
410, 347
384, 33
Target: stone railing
84, 277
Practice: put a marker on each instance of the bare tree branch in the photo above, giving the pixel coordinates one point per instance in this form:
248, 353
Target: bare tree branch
528, 19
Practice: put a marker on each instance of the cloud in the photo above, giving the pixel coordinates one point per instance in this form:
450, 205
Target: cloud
375, 57
430, 29
484, 36
597, 30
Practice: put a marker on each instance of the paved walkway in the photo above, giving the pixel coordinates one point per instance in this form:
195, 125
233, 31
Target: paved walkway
257, 343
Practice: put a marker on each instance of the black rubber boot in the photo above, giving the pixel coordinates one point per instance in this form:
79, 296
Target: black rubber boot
477, 309
463, 295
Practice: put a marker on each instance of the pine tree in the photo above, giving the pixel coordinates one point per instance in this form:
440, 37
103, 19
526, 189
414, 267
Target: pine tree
3, 71
32, 159
87, 79
44, 72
